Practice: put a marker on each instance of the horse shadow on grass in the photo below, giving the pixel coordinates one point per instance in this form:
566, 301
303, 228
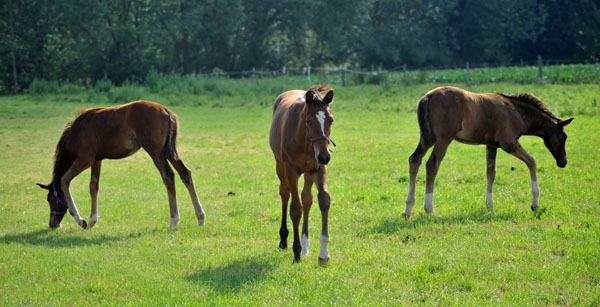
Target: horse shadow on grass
395, 225
231, 277
48, 237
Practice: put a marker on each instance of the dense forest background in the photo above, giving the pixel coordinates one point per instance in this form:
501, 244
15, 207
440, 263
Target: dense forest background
83, 40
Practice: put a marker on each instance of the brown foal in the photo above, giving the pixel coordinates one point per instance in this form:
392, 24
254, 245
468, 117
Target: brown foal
494, 120
299, 139
115, 133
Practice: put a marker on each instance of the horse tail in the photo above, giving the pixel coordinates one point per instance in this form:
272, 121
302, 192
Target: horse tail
170, 147
427, 136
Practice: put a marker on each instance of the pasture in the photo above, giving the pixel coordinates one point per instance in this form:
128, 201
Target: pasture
461, 255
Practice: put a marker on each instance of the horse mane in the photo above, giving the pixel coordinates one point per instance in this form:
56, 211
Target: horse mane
59, 154
532, 101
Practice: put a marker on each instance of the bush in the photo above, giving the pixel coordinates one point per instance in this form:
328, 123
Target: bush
102, 86
127, 92
41, 86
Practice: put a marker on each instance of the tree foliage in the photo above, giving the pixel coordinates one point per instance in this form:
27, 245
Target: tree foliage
85, 41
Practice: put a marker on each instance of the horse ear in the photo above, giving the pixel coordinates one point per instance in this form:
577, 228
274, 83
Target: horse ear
328, 98
43, 186
308, 97
565, 123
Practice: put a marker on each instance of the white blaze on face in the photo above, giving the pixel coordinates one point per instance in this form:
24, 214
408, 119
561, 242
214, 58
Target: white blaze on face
321, 119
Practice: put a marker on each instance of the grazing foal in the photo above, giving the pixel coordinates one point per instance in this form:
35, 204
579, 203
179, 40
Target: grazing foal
494, 120
299, 139
115, 133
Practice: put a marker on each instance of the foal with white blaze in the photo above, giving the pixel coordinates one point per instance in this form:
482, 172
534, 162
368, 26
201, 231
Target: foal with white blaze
299, 139
494, 120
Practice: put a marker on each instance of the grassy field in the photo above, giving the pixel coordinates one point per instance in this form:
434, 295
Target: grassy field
460, 256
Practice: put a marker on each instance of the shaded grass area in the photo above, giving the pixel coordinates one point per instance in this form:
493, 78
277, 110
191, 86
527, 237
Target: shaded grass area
461, 255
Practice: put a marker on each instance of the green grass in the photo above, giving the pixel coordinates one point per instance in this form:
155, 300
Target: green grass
460, 256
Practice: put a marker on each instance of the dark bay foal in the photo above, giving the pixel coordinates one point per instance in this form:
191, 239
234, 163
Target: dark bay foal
494, 120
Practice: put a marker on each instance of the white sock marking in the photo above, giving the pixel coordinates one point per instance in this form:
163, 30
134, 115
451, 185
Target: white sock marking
305, 244
429, 202
489, 199
324, 254
174, 221
535, 191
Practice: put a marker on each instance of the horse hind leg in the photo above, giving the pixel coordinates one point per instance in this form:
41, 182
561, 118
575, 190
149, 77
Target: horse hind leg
186, 176
168, 178
433, 165
307, 199
414, 163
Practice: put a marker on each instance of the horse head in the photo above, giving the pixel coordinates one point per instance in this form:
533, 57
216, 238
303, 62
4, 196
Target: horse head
555, 139
58, 208
318, 123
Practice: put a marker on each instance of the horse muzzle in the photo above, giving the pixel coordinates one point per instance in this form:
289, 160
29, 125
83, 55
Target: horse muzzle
323, 159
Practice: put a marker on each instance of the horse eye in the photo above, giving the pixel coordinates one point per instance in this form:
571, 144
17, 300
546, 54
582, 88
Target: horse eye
308, 123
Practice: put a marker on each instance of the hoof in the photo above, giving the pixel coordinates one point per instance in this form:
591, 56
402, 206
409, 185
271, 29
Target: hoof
83, 224
296, 260
533, 208
201, 222
406, 215
283, 245
323, 261
429, 210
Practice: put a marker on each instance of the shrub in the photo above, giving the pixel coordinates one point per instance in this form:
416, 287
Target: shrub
41, 86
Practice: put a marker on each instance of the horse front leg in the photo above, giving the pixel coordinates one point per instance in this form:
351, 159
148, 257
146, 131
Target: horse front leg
324, 204
491, 175
94, 187
524, 156
284, 193
307, 199
295, 208
76, 168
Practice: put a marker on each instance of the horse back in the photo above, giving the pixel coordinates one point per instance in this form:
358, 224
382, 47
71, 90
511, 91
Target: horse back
287, 110
117, 132
470, 117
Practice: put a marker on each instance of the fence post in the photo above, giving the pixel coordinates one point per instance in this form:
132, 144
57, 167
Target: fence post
343, 78
253, 72
284, 72
308, 74
405, 74
540, 75
468, 74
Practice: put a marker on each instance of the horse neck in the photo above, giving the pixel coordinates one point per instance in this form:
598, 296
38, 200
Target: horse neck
534, 120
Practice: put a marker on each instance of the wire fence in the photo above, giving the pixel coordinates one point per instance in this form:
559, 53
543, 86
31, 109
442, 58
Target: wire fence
570, 70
